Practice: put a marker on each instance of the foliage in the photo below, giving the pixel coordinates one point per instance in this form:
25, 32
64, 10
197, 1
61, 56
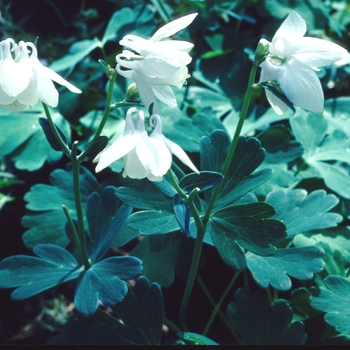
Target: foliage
265, 217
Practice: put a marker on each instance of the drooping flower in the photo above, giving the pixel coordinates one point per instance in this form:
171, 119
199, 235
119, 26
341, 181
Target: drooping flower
157, 64
144, 155
292, 61
23, 78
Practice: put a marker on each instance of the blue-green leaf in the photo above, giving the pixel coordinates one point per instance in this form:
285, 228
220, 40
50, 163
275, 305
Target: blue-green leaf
104, 281
203, 180
182, 214
300, 263
196, 339
247, 225
238, 180
302, 212
32, 275
258, 323
50, 136
334, 300
45, 218
141, 312
106, 218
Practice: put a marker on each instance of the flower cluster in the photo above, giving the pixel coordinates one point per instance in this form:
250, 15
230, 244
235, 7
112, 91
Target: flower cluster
144, 155
24, 80
158, 65
292, 62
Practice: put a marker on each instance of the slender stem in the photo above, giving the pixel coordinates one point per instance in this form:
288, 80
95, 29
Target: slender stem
221, 315
78, 206
191, 276
243, 115
107, 110
172, 326
58, 137
196, 251
72, 228
218, 305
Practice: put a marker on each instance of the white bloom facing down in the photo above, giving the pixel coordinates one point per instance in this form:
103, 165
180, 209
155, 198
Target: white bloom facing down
292, 62
157, 64
144, 155
24, 80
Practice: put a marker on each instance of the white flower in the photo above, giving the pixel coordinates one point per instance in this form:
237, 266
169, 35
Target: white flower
24, 80
292, 60
144, 156
157, 64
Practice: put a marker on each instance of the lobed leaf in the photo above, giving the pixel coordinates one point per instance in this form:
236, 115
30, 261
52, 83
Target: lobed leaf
300, 263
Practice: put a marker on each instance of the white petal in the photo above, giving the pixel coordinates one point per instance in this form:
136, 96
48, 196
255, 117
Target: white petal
173, 27
133, 166
5, 99
277, 104
176, 45
29, 95
318, 52
133, 42
165, 94
145, 91
180, 153
15, 77
16, 107
157, 66
292, 28
53, 75
302, 86
46, 90
162, 157
119, 148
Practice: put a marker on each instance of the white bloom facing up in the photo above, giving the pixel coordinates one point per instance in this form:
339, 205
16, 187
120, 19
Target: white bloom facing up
292, 62
144, 155
24, 80
157, 64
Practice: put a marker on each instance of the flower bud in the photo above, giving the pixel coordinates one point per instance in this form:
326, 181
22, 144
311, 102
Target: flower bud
261, 51
132, 93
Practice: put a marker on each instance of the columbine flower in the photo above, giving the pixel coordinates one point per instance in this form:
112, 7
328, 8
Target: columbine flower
157, 64
144, 156
24, 80
292, 60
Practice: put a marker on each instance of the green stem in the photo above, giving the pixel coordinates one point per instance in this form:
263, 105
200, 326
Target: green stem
78, 206
221, 315
196, 251
64, 147
218, 305
172, 326
72, 228
107, 110
243, 115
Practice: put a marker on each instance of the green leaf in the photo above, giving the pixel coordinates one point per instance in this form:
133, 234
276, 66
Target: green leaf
32, 275
141, 312
238, 180
203, 180
300, 263
50, 136
335, 242
152, 222
22, 139
174, 250
200, 124
334, 300
145, 194
246, 225
77, 52
302, 212
321, 148
104, 281
258, 323
45, 218
196, 339
183, 214
106, 218
279, 146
